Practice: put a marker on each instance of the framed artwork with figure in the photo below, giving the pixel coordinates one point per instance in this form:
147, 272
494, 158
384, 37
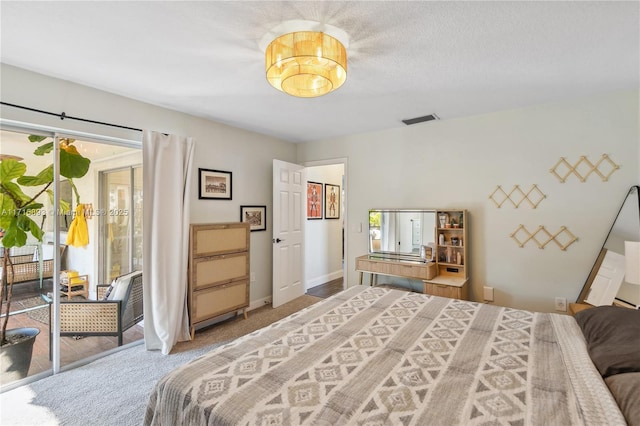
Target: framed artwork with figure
314, 200
255, 216
332, 201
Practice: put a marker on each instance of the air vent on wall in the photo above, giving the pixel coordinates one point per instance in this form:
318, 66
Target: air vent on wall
429, 117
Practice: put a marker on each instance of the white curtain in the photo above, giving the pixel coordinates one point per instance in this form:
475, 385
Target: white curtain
167, 188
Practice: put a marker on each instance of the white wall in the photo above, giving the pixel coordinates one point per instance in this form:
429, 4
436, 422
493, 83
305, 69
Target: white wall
443, 164
218, 146
458, 164
323, 238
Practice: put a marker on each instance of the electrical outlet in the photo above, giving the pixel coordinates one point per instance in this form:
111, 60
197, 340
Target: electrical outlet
488, 294
561, 304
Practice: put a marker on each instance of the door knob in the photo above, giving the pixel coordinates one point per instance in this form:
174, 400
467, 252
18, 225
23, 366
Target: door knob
277, 240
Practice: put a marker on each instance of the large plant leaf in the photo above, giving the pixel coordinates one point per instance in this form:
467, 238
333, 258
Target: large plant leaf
35, 229
43, 178
33, 207
73, 165
44, 149
11, 169
36, 138
13, 235
12, 189
8, 211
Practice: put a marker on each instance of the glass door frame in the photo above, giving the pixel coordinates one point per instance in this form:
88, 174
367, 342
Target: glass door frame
103, 195
56, 133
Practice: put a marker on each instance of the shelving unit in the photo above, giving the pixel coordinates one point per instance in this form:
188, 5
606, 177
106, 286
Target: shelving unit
451, 256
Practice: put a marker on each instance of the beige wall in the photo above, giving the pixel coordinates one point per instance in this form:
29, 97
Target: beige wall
458, 163
449, 163
218, 146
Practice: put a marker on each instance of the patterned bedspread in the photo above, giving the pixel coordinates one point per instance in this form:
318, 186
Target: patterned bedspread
375, 356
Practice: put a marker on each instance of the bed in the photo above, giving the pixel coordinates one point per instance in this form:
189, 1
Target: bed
376, 356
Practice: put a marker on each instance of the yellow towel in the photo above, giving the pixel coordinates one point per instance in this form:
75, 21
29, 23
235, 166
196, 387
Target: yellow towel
78, 235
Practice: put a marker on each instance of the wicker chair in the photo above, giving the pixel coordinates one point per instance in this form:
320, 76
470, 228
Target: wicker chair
103, 317
25, 269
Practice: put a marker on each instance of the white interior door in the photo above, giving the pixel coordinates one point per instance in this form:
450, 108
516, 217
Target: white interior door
288, 231
606, 284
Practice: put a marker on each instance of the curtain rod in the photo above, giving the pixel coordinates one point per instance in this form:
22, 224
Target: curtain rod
63, 115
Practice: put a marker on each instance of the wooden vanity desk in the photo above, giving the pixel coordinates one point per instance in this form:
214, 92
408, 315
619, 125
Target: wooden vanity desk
437, 285
445, 232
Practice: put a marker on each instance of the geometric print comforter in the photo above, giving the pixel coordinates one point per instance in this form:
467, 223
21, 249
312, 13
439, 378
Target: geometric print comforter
376, 356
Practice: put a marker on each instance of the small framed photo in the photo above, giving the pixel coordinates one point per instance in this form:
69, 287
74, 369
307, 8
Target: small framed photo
214, 184
255, 216
331, 201
314, 200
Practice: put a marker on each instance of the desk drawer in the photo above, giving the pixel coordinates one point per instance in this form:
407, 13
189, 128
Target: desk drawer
444, 290
420, 271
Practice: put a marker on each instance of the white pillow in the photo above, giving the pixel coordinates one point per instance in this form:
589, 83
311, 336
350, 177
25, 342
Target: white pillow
121, 286
47, 252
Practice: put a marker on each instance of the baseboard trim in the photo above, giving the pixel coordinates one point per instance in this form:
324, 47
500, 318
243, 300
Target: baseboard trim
324, 279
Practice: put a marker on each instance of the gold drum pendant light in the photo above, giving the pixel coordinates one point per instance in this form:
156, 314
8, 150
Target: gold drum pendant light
306, 64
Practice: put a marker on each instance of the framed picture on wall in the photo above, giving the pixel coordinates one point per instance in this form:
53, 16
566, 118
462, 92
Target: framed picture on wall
314, 200
214, 184
255, 216
331, 201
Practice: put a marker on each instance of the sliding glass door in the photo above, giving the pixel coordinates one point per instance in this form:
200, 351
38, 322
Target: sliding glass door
70, 217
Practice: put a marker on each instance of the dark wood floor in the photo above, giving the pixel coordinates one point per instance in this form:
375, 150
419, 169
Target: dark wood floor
327, 289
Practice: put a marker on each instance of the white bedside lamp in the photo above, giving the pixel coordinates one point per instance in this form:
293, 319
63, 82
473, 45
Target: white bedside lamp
632, 262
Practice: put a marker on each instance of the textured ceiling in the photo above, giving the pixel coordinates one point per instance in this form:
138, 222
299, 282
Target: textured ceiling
406, 59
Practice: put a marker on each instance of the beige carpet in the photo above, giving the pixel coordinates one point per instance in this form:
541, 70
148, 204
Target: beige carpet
114, 390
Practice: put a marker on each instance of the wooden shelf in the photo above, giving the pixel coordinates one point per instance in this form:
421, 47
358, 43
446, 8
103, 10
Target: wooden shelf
451, 265
451, 272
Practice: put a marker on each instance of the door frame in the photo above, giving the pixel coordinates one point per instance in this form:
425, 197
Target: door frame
345, 204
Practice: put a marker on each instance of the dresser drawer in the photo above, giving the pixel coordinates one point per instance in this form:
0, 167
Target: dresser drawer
208, 240
218, 300
214, 270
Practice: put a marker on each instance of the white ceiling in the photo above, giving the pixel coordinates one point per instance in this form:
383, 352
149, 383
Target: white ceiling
406, 59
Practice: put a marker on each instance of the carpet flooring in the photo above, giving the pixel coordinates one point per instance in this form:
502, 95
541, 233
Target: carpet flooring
114, 390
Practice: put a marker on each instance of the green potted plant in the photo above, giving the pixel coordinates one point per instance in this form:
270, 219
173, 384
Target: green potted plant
20, 195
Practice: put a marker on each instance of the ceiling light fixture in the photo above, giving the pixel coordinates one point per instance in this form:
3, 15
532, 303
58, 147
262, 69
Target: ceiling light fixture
305, 59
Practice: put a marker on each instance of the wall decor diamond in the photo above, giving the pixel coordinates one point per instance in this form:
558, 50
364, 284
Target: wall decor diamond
517, 196
583, 168
563, 238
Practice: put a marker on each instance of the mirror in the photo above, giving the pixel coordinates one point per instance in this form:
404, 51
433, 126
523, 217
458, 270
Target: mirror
402, 232
626, 227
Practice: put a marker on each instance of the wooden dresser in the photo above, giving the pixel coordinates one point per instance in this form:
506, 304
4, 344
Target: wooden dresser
218, 273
